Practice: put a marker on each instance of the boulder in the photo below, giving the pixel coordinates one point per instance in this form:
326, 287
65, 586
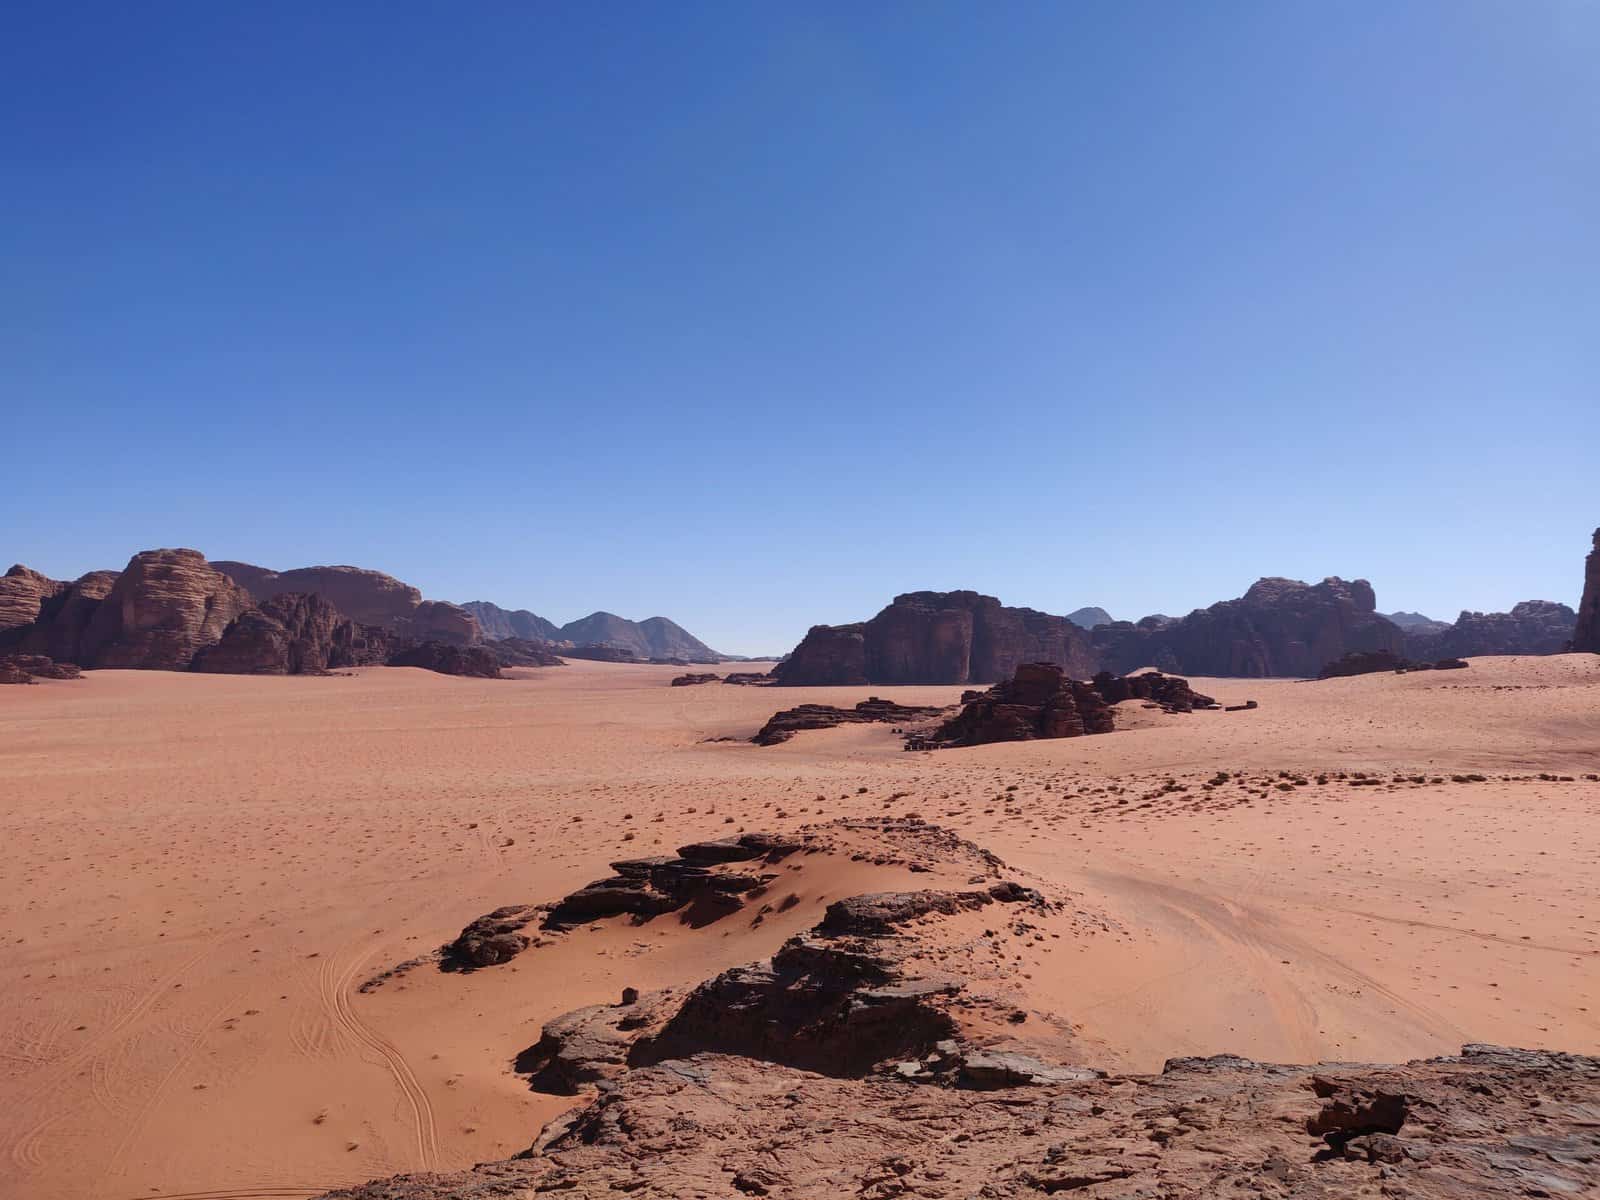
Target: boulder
1039, 701
164, 607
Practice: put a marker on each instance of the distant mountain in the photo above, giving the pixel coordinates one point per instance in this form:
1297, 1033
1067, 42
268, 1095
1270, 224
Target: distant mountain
1088, 618
655, 637
500, 622
1416, 623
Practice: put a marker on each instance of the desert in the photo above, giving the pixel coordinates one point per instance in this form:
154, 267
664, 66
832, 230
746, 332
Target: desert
204, 872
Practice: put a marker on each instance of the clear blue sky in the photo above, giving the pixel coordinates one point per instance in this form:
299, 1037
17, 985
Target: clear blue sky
753, 315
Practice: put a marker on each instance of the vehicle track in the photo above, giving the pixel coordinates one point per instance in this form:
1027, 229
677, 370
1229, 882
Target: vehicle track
335, 988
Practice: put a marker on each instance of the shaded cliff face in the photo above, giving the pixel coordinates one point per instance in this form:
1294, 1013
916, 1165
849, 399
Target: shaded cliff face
1586, 634
1279, 627
497, 622
366, 597
1531, 627
65, 616
164, 607
936, 637
290, 634
22, 592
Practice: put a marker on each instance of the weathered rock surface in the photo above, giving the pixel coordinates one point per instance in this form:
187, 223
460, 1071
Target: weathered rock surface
500, 623
598, 653
291, 634
23, 592
1359, 662
447, 659
1531, 627
1278, 627
63, 618
1491, 1124
1586, 631
936, 637
366, 597
35, 666
748, 678
694, 680
782, 726
163, 608
523, 652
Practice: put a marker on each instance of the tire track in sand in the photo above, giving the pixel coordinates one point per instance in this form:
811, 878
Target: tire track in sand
334, 988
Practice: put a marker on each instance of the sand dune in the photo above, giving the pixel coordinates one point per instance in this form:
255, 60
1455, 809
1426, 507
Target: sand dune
201, 871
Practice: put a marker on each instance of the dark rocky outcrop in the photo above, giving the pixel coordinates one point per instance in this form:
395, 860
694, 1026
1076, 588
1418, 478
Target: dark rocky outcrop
1278, 627
936, 637
596, 653
366, 597
447, 659
1586, 631
163, 608
23, 591
523, 652
784, 725
693, 680
291, 634
1359, 662
1531, 627
748, 678
1041, 701
63, 618
502, 623
24, 668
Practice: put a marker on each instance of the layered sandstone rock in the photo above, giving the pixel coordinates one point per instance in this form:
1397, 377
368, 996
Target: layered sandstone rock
1039, 701
366, 597
23, 668
65, 616
1531, 627
23, 592
447, 659
1278, 627
164, 607
1586, 632
291, 634
782, 726
936, 637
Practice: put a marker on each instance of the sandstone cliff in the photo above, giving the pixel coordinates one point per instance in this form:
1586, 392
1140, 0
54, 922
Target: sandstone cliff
1531, 627
290, 634
22, 592
164, 607
936, 637
366, 597
63, 618
1278, 627
1586, 634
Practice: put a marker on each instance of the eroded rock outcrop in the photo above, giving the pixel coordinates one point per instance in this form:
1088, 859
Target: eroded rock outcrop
291, 634
23, 592
936, 637
523, 652
782, 726
1586, 630
163, 608
65, 616
366, 597
19, 668
1531, 627
447, 659
1278, 627
695, 679
1369, 662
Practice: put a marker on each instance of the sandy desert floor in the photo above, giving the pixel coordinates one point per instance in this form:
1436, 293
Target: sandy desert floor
201, 871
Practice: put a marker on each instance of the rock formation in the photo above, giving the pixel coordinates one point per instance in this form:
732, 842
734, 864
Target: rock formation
65, 616
598, 653
784, 725
1586, 632
748, 678
522, 652
23, 592
366, 597
1415, 623
1041, 701
1531, 627
1367, 662
693, 680
655, 637
1278, 627
935, 637
25, 668
447, 658
164, 607
501, 623
291, 634
1491, 1123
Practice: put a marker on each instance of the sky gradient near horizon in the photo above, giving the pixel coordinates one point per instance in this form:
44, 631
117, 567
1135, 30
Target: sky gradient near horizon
753, 316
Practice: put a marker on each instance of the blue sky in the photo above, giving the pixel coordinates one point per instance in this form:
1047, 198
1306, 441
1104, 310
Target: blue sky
755, 315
